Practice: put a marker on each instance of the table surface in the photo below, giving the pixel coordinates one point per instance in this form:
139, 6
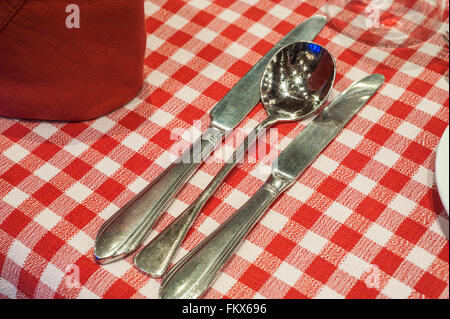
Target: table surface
364, 221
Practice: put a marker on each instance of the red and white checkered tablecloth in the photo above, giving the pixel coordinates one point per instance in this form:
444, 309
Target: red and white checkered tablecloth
364, 221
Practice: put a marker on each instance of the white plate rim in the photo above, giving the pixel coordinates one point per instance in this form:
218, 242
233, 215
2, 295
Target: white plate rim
442, 169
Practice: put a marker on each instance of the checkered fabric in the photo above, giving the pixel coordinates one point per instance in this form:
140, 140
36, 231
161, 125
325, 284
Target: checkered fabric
364, 221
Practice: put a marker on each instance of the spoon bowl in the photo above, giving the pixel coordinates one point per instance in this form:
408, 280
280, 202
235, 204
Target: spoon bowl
297, 81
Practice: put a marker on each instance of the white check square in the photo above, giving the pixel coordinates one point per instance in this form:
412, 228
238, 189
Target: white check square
408, 130
378, 234
248, 251
223, 283
377, 54
18, 253
46, 130
228, 15
363, 184
259, 30
153, 42
274, 221
182, 56
338, 212
393, 91
52, 276
76, 147
87, 294
328, 293
402, 205
411, 69
206, 35
424, 176
47, 172
325, 164
200, 4
429, 106
108, 211
107, 166
138, 185
354, 265
386, 157
177, 22
177, 207
134, 141
118, 268
420, 257
156, 78
81, 242
288, 274
8, 289
300, 192
396, 289
236, 50
236, 198
187, 94
280, 12
208, 226
16, 153
78, 192
47, 219
15, 197
371, 113
349, 138
161, 117
103, 124
133, 104
213, 72
313, 242
356, 74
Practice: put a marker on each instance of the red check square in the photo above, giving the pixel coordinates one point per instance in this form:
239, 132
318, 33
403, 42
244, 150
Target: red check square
15, 223
254, 277
387, 261
47, 194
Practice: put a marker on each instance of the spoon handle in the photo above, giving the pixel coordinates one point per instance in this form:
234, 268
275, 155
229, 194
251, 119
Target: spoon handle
191, 277
156, 257
122, 233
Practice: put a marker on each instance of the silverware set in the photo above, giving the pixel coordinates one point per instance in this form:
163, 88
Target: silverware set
293, 82
294, 86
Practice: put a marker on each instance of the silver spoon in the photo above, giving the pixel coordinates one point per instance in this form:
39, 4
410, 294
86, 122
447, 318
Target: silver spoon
295, 85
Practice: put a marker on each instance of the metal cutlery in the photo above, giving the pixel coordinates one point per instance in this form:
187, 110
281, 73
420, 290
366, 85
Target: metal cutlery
295, 84
124, 232
192, 276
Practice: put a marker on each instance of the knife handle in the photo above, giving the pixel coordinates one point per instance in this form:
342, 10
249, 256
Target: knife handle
124, 231
192, 276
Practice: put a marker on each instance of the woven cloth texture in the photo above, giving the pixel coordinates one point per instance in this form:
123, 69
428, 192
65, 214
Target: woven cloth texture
364, 221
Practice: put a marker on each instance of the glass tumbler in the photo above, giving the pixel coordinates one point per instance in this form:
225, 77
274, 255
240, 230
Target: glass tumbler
388, 23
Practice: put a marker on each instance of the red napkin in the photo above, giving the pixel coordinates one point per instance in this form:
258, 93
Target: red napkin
52, 70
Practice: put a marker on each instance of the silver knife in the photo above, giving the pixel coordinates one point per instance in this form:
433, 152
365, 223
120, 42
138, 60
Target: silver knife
124, 231
192, 276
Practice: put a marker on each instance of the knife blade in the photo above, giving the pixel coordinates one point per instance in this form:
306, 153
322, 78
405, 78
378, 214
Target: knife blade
124, 231
192, 276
